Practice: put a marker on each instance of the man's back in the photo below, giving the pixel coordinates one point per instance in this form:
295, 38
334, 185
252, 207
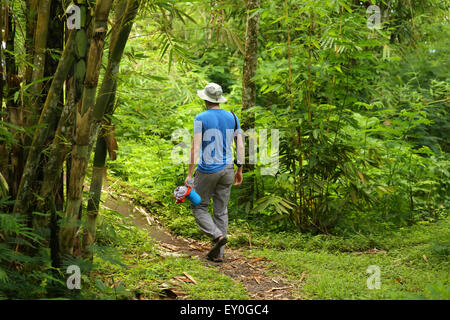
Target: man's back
217, 128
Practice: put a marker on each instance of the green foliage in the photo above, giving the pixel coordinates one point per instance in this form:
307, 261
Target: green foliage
364, 124
335, 267
356, 121
437, 291
23, 276
28, 274
185, 226
363, 147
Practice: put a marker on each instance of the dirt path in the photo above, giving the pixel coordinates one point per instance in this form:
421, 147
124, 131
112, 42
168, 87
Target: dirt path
251, 272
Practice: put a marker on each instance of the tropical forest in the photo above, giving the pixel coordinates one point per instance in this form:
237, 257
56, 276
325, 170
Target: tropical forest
342, 108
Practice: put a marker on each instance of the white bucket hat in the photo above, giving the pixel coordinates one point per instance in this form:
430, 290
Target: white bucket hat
212, 93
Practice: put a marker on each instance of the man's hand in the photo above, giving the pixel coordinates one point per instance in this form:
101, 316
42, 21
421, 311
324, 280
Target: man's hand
186, 182
238, 177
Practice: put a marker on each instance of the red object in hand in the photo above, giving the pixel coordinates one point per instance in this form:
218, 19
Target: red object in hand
181, 200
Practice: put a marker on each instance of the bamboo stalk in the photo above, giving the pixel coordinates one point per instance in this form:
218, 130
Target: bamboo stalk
40, 46
59, 147
84, 121
13, 110
105, 102
49, 113
31, 7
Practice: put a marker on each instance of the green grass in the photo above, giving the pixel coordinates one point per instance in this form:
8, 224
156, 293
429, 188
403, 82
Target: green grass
142, 271
335, 265
415, 264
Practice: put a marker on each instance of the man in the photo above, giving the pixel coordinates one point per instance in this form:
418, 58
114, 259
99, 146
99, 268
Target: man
214, 132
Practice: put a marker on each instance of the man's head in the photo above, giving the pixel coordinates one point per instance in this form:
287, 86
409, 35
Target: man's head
212, 94
210, 105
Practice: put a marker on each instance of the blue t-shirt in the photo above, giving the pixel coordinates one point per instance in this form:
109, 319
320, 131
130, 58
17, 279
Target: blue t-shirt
217, 128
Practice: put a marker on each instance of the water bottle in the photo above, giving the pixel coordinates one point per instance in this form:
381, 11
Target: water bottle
181, 193
193, 196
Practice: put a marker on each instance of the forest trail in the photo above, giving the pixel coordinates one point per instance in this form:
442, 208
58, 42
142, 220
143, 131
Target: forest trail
253, 273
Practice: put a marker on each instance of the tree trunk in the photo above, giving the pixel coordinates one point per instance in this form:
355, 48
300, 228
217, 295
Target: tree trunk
59, 147
95, 191
31, 13
3, 147
30, 32
84, 127
55, 42
14, 112
40, 46
249, 94
105, 102
49, 113
49, 189
57, 153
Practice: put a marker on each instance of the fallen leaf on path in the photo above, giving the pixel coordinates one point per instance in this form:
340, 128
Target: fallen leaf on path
168, 246
179, 293
190, 277
195, 247
257, 280
370, 251
181, 279
232, 259
375, 250
171, 254
257, 259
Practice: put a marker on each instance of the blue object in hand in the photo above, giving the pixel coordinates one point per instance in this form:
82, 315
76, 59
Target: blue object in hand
194, 197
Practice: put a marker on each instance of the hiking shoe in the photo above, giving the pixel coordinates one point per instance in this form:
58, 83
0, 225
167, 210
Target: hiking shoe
215, 250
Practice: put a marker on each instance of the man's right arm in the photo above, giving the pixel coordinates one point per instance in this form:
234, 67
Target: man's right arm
195, 151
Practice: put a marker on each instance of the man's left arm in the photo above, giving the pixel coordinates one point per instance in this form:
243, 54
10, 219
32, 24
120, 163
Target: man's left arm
240, 155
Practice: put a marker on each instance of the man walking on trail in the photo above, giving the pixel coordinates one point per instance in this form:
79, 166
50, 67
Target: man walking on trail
214, 132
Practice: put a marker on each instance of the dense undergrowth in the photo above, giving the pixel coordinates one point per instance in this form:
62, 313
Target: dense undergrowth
414, 260
128, 264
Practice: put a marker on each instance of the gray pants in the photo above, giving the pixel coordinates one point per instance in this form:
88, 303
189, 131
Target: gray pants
218, 187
